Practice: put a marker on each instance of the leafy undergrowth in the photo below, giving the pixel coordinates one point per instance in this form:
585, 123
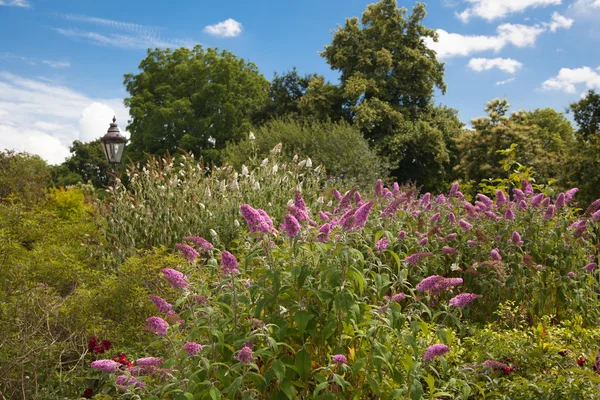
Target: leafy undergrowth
397, 295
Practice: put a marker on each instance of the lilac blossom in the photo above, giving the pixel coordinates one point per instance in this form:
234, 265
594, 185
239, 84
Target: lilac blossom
546, 202
441, 199
229, 264
192, 348
495, 255
495, 365
398, 297
500, 198
437, 350
339, 359
569, 194
157, 325
245, 355
560, 200
416, 258
402, 235
290, 225
175, 278
453, 190
436, 283
150, 361
450, 236
299, 201
434, 217
199, 243
424, 241
396, 188
452, 218
486, 200
516, 238
447, 250
595, 206
358, 199
160, 303
362, 214
347, 220
323, 216
336, 195
522, 205
465, 225
509, 214
110, 366
549, 212
324, 232
124, 381
392, 208
591, 267
463, 299
537, 199
472, 242
379, 188
571, 274
345, 201
527, 187
518, 194
188, 252
382, 244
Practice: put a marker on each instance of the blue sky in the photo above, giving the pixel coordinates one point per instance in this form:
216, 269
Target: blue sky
62, 62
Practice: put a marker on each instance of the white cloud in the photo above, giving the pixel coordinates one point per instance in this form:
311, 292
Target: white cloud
124, 35
123, 41
585, 5
505, 81
126, 26
455, 44
15, 3
568, 78
495, 9
485, 64
559, 21
227, 28
44, 118
57, 64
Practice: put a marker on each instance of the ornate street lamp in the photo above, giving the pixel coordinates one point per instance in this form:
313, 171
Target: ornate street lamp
113, 144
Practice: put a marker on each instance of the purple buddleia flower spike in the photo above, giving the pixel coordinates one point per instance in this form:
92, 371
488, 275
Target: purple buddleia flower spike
437, 350
362, 214
463, 299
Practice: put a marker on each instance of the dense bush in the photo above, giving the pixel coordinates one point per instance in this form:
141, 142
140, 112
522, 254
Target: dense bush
400, 296
167, 199
47, 251
23, 176
340, 147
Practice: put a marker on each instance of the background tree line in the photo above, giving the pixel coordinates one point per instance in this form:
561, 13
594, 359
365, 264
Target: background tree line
380, 119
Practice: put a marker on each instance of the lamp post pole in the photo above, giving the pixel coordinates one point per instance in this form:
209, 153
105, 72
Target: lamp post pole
113, 144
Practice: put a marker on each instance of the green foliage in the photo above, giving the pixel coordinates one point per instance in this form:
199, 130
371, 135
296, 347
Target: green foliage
298, 301
194, 99
171, 198
339, 147
586, 113
47, 251
542, 138
23, 176
383, 58
87, 163
582, 168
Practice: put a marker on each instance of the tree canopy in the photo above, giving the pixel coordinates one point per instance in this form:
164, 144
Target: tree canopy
586, 113
192, 99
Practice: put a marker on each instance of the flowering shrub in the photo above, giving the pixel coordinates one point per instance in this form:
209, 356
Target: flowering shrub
166, 200
349, 300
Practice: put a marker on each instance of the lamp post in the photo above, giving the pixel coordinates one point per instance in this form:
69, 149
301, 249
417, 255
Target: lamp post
113, 144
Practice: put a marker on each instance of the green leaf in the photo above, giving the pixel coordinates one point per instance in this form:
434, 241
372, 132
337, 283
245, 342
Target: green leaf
279, 369
302, 318
215, 394
416, 390
303, 364
288, 388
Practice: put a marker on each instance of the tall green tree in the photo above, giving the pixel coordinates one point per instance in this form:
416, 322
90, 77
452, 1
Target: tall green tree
388, 79
386, 68
307, 97
543, 138
87, 163
194, 99
586, 113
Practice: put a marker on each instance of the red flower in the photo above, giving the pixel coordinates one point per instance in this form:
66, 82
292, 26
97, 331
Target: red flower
106, 344
99, 349
508, 370
581, 361
88, 393
92, 343
122, 359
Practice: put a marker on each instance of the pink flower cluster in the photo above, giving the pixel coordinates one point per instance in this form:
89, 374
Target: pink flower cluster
436, 350
436, 283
